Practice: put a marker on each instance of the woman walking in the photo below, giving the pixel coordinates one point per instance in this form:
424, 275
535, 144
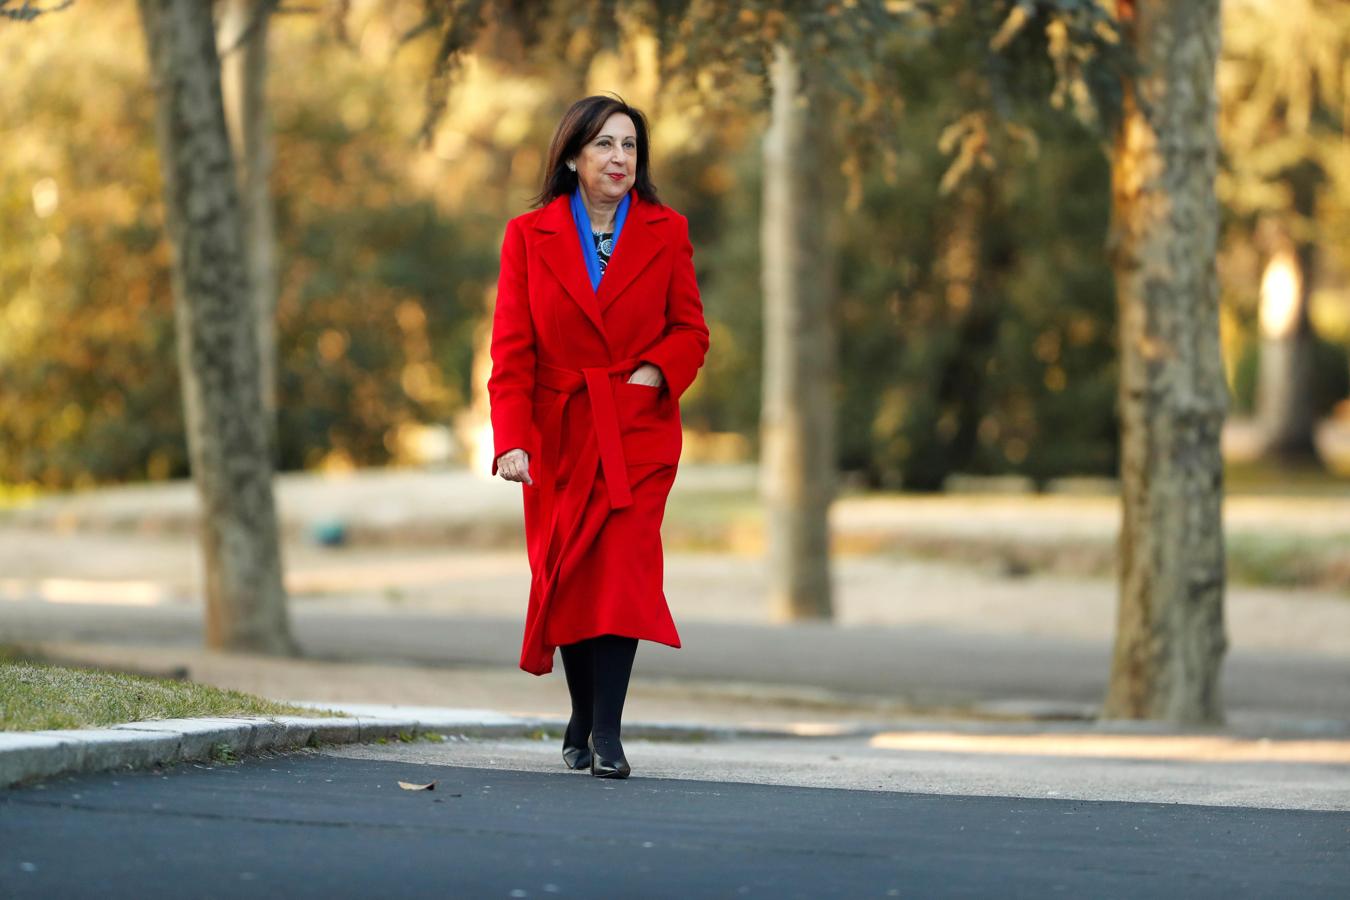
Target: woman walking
598, 331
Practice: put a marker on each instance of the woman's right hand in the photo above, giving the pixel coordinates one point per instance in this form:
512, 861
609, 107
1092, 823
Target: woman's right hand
514, 465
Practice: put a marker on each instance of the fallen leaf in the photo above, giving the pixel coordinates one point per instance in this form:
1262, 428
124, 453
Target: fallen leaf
409, 786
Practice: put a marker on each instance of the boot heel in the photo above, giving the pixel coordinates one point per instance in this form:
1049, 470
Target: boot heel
577, 757
607, 768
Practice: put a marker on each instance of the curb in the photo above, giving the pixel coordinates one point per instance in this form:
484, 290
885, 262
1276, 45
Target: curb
28, 756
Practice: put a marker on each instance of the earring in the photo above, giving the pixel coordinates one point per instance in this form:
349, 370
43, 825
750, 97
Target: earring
572, 166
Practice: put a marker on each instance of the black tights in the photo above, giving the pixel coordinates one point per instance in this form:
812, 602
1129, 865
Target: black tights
597, 672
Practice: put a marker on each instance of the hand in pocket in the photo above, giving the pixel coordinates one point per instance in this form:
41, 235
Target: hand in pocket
647, 374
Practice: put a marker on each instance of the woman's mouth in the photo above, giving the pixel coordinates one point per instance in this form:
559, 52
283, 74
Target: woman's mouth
616, 176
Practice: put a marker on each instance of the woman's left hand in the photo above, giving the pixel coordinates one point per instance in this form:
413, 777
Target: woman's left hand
647, 374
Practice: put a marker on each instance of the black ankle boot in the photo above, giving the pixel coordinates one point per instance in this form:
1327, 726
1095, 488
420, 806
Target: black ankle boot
610, 762
579, 666
575, 752
612, 656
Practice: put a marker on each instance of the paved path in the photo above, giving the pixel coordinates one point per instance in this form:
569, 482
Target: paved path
923, 667
880, 589
1036, 761
318, 825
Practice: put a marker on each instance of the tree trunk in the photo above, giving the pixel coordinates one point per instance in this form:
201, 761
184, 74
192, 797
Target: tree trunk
217, 337
1170, 636
244, 85
1284, 389
944, 437
473, 428
797, 420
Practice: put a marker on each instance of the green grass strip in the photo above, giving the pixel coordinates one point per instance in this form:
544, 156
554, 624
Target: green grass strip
38, 696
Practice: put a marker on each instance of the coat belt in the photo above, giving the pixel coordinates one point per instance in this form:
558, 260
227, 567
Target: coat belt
604, 417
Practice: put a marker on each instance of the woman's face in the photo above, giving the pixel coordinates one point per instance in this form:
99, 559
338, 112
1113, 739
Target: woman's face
607, 166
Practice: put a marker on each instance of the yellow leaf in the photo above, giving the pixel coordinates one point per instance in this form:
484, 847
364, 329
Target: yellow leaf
409, 786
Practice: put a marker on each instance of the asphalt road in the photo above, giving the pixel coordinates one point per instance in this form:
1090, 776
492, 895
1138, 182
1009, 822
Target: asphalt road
312, 825
920, 665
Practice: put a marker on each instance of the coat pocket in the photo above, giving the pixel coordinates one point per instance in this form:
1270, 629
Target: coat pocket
649, 424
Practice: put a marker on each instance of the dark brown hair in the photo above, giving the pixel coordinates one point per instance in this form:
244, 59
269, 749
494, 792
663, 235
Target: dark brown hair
580, 124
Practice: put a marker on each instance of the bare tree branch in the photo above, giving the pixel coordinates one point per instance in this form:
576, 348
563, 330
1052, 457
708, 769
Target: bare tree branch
261, 10
337, 18
30, 10
429, 23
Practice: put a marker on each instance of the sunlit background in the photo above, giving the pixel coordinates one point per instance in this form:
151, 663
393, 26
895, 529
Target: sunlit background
977, 428
388, 255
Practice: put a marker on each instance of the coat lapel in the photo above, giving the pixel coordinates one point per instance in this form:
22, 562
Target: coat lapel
638, 243
562, 254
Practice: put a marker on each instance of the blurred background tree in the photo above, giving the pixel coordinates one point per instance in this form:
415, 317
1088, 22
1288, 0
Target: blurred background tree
87, 368
1285, 99
978, 304
976, 325
242, 31
227, 427
86, 354
974, 313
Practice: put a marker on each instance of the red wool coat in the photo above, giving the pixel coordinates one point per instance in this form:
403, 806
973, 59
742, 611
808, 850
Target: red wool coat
603, 452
